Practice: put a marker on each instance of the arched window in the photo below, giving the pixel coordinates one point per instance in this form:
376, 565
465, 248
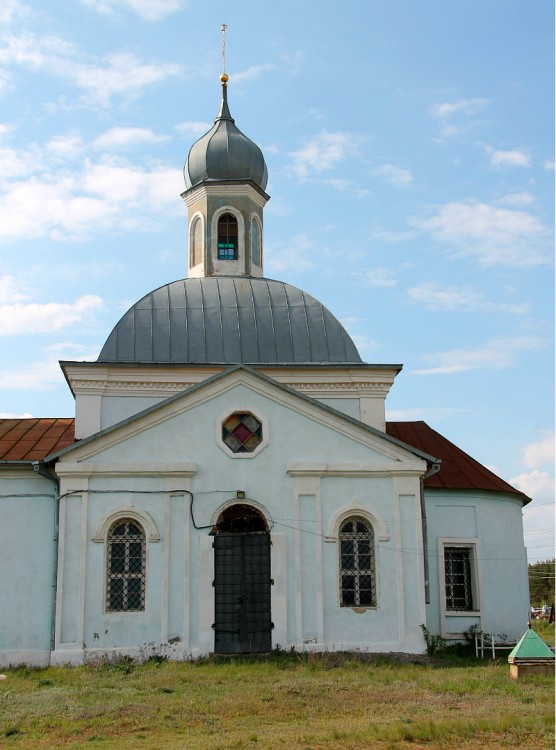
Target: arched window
255, 243
357, 563
227, 237
196, 242
125, 566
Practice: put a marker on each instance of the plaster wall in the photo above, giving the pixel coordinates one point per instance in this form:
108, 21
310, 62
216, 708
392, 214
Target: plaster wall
27, 530
303, 512
493, 522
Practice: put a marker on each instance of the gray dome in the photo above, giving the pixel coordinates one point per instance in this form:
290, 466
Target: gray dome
229, 320
225, 153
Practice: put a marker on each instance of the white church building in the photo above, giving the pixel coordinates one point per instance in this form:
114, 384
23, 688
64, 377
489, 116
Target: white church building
229, 483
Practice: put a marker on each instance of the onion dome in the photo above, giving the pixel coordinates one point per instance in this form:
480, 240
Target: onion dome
225, 153
229, 320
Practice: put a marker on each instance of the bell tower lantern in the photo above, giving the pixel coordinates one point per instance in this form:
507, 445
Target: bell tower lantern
225, 178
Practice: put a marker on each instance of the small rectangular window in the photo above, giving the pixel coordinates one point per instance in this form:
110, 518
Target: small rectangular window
458, 579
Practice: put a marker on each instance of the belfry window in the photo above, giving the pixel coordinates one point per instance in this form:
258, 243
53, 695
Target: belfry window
196, 242
125, 567
255, 243
227, 237
357, 563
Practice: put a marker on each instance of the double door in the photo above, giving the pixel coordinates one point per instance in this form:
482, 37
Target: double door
242, 588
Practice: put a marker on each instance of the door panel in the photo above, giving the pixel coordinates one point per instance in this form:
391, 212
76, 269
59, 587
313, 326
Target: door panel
242, 593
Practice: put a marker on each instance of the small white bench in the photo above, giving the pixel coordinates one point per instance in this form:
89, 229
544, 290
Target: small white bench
490, 642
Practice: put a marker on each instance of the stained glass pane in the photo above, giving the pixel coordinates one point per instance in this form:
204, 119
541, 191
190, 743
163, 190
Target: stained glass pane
246, 429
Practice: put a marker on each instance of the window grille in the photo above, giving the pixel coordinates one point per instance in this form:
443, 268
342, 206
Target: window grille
457, 573
126, 553
242, 432
227, 237
357, 564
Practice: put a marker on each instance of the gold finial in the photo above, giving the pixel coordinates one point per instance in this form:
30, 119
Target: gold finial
224, 76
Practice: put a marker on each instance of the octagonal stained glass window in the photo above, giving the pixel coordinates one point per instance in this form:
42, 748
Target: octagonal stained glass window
242, 432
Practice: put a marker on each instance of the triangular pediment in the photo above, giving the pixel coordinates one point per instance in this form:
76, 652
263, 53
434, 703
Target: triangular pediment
289, 414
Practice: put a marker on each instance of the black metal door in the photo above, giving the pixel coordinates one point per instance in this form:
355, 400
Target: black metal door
242, 593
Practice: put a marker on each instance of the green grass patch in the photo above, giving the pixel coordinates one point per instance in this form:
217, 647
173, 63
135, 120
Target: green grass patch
545, 630
286, 701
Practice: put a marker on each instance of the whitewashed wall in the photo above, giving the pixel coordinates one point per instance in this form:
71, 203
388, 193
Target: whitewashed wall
493, 523
27, 530
314, 471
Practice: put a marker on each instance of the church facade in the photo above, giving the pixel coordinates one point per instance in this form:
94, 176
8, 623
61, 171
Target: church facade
230, 484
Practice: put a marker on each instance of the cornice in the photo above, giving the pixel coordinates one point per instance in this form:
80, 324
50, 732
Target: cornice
155, 382
207, 189
392, 468
87, 469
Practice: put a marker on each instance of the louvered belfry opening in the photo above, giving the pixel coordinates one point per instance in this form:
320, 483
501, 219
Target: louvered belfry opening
242, 582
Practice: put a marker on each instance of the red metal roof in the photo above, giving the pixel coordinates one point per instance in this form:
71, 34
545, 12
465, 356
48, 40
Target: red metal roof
33, 439
458, 470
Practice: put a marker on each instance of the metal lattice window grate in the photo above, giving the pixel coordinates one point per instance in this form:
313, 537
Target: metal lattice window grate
126, 553
357, 564
242, 432
457, 572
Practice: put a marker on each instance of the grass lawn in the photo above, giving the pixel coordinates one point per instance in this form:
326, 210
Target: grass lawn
306, 702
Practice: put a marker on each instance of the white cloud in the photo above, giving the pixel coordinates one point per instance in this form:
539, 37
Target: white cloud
8, 415
491, 234
18, 163
36, 52
461, 111
295, 253
538, 485
11, 290
45, 373
549, 164
518, 200
64, 147
12, 9
364, 343
102, 79
148, 10
193, 128
322, 152
118, 75
103, 196
255, 71
514, 158
19, 318
436, 296
293, 60
123, 137
394, 175
497, 354
378, 277
446, 110
541, 452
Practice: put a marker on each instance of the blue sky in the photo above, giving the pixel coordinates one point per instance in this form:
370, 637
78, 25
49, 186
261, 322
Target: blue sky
410, 154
